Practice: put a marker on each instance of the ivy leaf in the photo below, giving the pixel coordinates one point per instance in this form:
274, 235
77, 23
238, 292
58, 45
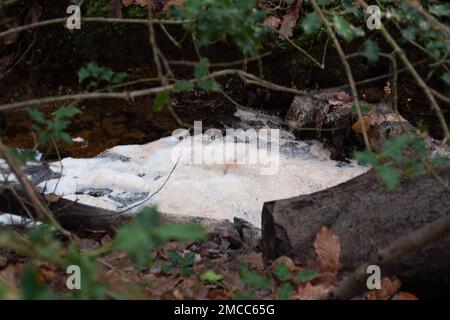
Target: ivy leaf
161, 100
389, 176
311, 23
371, 51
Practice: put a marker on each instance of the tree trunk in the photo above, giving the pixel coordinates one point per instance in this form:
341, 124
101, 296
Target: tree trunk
365, 217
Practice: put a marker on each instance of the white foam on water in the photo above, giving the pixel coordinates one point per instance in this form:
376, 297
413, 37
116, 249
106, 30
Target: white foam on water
217, 191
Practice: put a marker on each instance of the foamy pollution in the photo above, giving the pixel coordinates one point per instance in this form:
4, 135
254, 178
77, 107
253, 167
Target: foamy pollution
202, 175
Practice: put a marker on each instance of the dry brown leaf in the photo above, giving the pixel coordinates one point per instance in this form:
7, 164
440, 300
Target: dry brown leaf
10, 276
273, 22
357, 126
254, 260
328, 249
388, 289
290, 19
51, 198
45, 273
310, 292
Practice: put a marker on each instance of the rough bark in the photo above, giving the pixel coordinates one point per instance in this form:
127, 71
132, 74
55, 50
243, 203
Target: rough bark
365, 217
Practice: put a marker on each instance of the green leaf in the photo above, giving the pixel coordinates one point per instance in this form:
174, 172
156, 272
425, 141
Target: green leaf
119, 77
133, 240
210, 276
281, 271
161, 100
253, 279
23, 156
446, 77
389, 176
409, 34
284, 291
343, 28
183, 85
36, 115
311, 23
201, 69
208, 85
306, 276
67, 112
394, 147
440, 10
83, 74
364, 109
366, 157
439, 161
175, 257
371, 51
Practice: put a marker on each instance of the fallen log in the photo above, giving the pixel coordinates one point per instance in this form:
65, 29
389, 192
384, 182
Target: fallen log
366, 217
